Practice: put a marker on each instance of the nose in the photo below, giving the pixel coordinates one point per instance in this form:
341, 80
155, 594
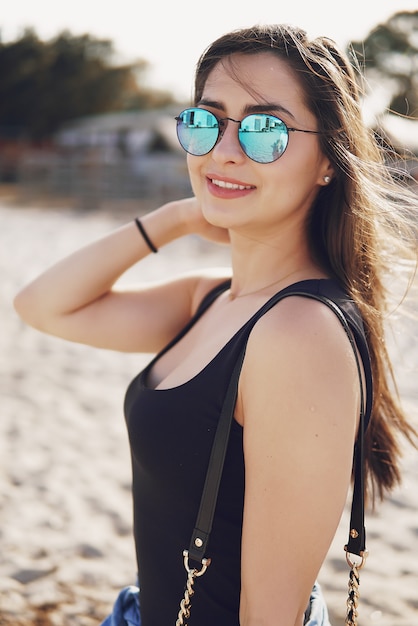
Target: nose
228, 147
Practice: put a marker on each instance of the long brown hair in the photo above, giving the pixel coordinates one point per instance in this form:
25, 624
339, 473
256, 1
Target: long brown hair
358, 224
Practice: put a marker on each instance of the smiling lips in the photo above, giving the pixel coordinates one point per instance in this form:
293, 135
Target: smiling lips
223, 184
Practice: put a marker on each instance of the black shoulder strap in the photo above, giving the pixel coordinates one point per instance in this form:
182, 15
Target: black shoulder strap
201, 532
211, 296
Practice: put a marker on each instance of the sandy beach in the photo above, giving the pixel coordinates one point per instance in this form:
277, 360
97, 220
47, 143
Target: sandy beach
65, 503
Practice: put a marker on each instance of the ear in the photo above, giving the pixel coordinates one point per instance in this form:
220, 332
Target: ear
326, 176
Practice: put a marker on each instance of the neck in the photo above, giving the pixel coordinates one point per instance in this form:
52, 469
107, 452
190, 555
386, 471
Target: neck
261, 268
278, 282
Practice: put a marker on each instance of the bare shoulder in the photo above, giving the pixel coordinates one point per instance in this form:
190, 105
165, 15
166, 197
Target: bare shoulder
299, 353
299, 325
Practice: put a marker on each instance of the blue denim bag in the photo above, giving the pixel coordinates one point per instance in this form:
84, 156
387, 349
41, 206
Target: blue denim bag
317, 612
126, 609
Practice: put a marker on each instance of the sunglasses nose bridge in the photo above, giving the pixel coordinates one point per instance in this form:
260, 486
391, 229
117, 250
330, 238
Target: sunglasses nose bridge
223, 125
230, 119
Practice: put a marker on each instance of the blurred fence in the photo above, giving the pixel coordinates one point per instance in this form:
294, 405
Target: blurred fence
90, 180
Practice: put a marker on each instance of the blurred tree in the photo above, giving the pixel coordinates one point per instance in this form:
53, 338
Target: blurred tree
43, 84
389, 56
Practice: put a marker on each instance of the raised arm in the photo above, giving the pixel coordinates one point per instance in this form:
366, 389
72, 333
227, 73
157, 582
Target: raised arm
76, 298
299, 403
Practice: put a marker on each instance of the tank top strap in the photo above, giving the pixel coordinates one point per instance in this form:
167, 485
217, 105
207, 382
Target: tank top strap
211, 297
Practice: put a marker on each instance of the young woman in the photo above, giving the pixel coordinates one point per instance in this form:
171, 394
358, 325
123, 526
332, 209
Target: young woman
285, 172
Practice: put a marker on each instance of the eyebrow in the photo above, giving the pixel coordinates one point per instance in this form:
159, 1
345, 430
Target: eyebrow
268, 107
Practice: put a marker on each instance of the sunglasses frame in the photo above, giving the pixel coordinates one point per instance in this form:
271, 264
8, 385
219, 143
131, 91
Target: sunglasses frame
221, 129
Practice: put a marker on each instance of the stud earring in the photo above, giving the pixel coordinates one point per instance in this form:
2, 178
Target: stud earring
327, 179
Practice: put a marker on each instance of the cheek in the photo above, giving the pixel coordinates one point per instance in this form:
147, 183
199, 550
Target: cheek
293, 179
302, 166
193, 166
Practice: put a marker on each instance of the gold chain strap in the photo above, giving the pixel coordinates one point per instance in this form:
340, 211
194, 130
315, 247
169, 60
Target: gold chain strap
353, 589
353, 597
192, 573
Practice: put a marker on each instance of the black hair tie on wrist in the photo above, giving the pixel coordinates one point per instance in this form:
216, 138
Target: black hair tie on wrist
145, 235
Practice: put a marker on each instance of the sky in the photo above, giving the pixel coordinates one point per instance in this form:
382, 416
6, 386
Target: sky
171, 34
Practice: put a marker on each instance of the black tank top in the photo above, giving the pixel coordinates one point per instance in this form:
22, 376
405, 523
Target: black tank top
171, 433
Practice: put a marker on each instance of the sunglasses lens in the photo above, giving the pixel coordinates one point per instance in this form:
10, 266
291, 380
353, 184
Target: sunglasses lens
263, 138
197, 131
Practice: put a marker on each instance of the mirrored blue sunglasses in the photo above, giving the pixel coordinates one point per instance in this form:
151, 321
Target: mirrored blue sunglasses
262, 137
